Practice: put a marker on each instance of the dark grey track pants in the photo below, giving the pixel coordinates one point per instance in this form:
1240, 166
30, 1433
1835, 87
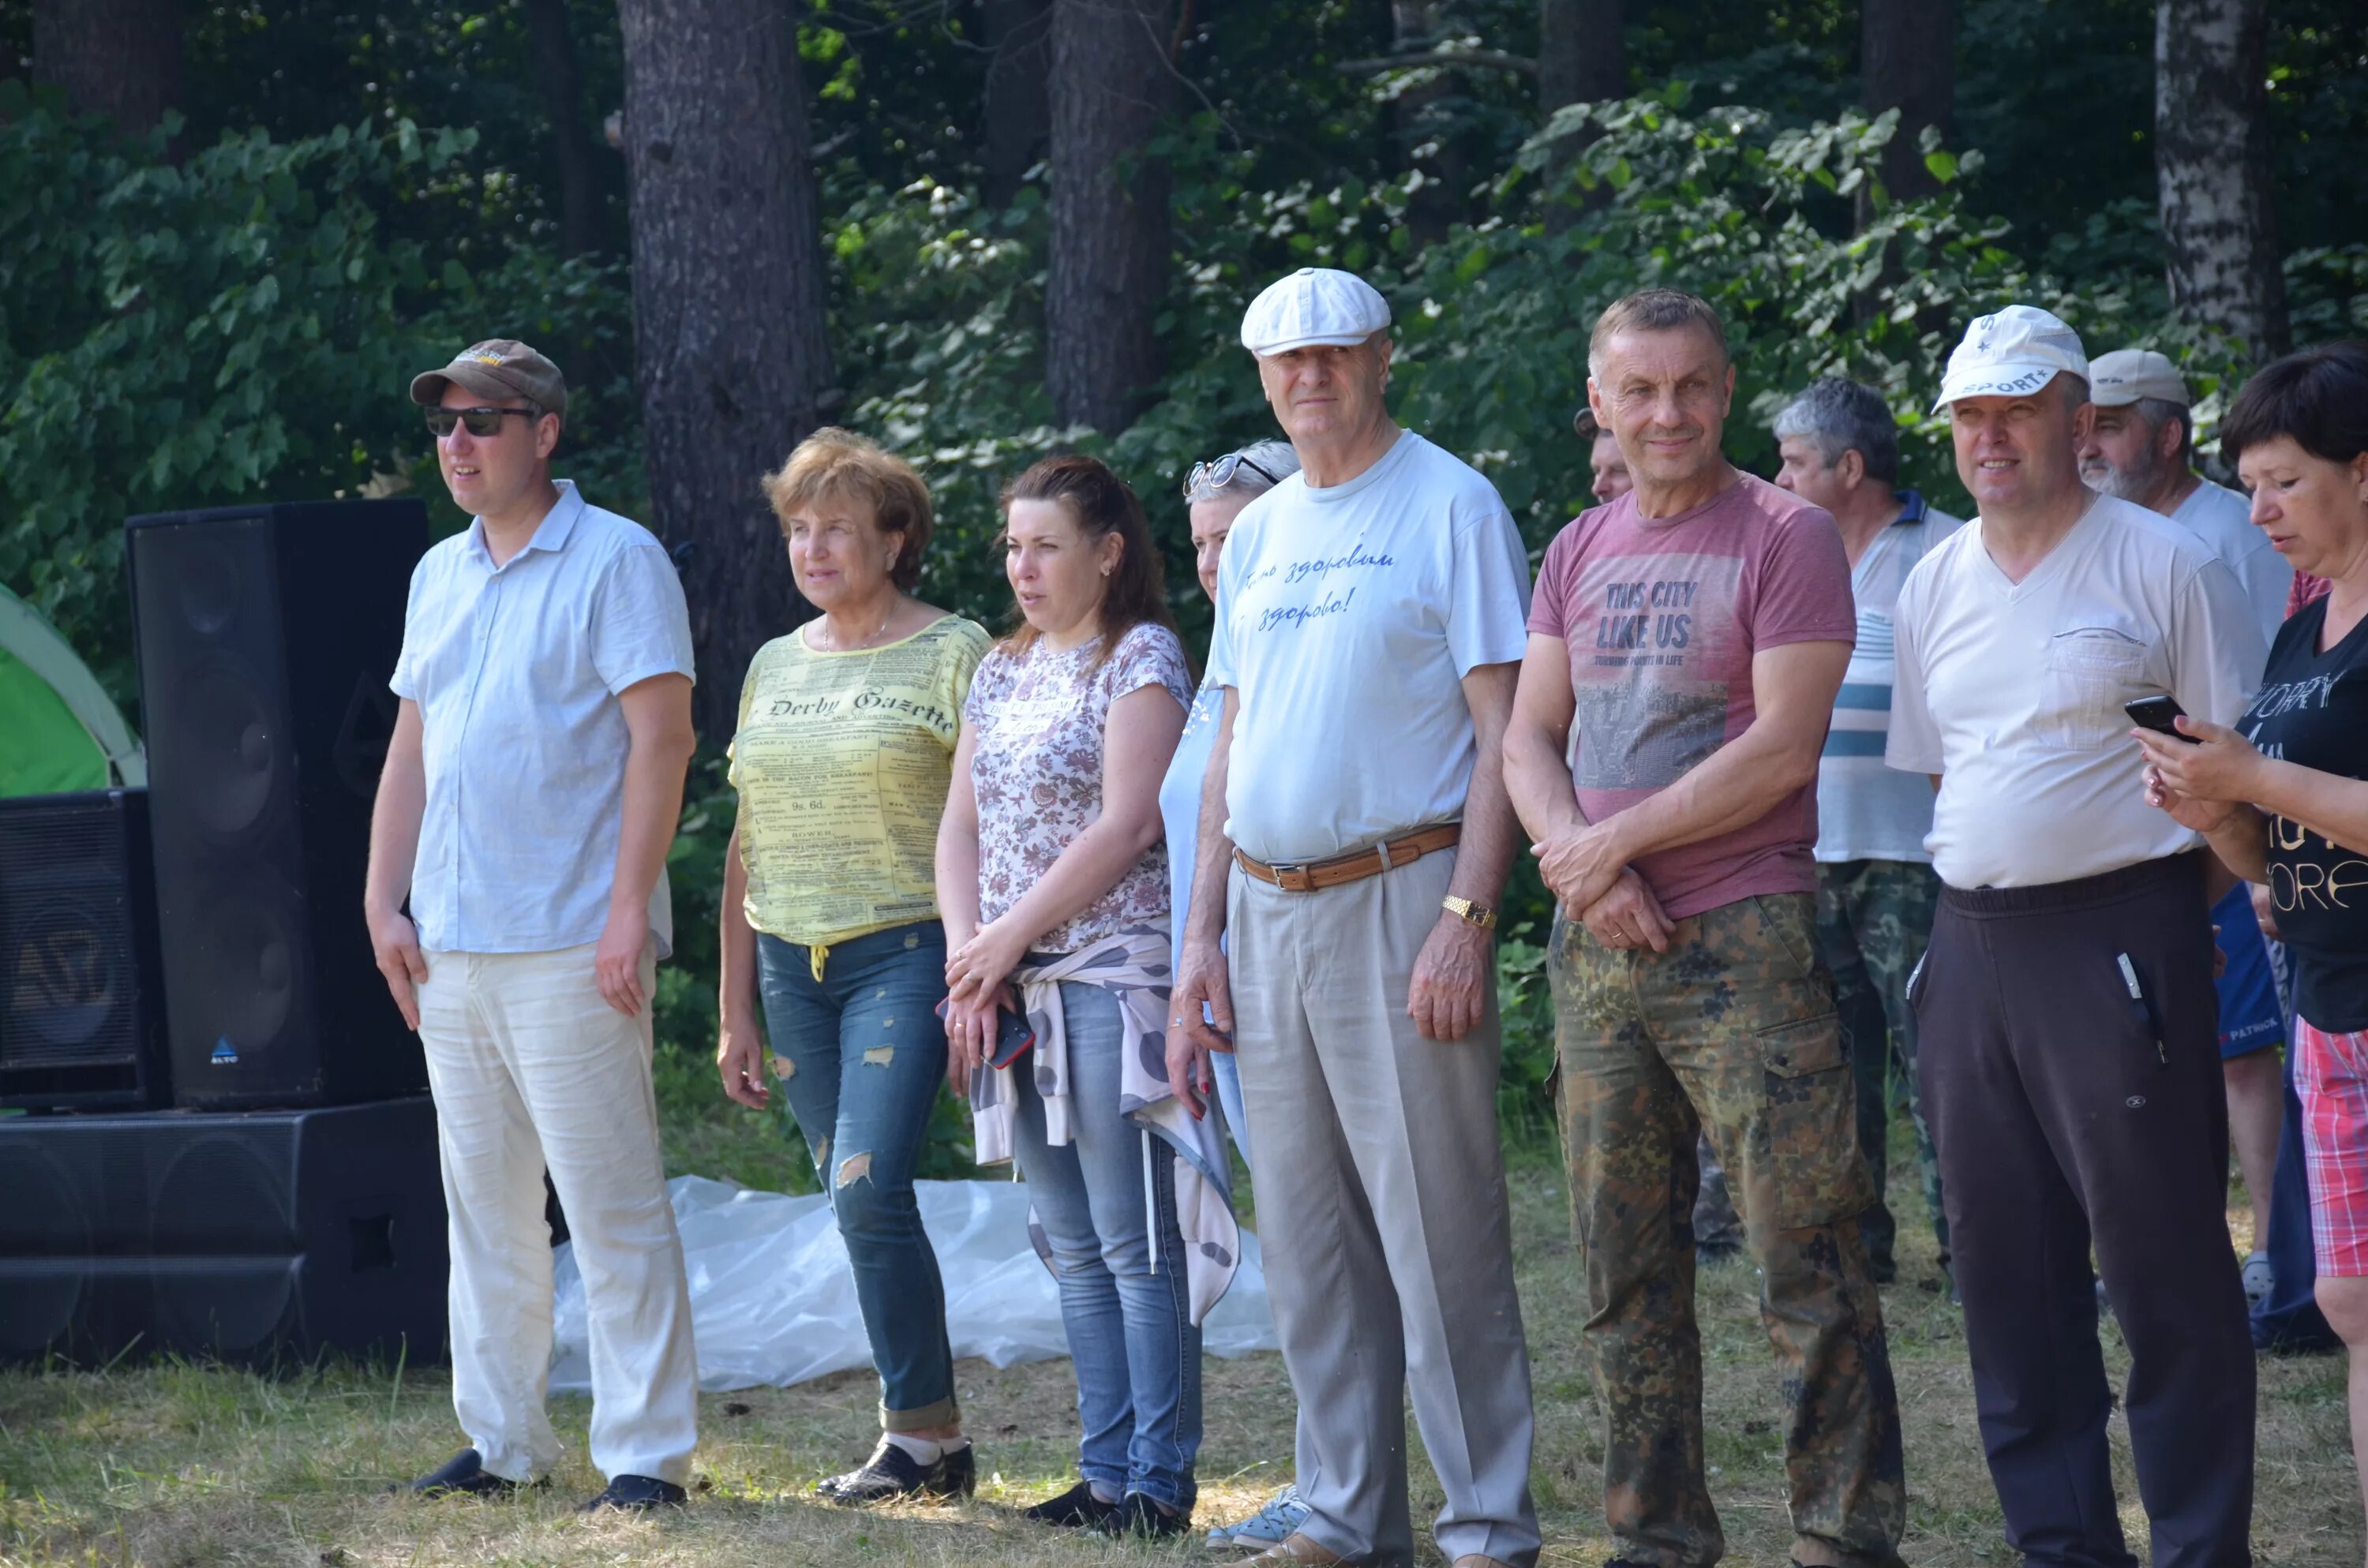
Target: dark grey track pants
2069, 1114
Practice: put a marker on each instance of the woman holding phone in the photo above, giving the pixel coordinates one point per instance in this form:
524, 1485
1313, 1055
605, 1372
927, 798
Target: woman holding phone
2282, 797
1053, 883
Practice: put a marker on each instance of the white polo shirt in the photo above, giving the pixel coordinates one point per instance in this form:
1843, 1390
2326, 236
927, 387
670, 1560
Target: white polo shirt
2012, 692
2223, 520
516, 669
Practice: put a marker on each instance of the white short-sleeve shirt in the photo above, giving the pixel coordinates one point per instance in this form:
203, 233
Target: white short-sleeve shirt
2012, 692
516, 669
1348, 617
2223, 520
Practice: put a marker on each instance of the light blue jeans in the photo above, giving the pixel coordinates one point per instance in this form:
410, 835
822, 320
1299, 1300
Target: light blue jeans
1132, 1339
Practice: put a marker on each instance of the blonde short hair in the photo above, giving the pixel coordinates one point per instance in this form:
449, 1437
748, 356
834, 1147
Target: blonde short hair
846, 466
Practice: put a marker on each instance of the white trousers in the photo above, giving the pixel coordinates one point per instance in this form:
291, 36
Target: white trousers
529, 1067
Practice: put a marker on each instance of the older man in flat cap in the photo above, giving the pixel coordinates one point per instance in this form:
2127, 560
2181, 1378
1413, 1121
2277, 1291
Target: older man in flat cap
1355, 836
530, 790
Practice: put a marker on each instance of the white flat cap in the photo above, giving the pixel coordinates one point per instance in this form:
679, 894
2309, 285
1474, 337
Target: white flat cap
2017, 351
1313, 305
2120, 377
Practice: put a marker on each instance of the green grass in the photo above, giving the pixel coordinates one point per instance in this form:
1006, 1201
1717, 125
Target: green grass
187, 1465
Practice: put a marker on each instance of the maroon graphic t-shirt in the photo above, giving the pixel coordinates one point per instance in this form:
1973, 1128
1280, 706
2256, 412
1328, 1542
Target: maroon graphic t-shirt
1662, 616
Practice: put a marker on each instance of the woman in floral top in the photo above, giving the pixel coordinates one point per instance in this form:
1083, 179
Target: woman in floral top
1053, 884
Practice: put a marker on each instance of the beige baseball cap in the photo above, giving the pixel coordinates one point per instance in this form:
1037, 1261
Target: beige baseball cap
497, 368
2120, 377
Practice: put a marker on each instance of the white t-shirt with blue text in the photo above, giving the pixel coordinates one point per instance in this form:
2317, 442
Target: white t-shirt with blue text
1348, 617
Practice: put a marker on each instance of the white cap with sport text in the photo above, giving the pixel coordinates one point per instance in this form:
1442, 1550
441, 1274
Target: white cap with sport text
1315, 306
2120, 377
2012, 354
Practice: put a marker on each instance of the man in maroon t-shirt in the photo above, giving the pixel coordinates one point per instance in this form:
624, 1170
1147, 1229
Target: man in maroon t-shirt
1685, 644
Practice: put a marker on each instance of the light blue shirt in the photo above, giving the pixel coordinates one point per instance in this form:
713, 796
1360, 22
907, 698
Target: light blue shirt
1179, 802
516, 669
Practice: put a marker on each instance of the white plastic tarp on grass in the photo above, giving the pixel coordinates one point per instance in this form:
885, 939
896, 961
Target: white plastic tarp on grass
772, 1301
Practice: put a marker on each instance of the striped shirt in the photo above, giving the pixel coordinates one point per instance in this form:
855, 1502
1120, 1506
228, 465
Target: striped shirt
1866, 811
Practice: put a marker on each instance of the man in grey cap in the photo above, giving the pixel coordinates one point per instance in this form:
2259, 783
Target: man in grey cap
516, 900
2141, 447
2063, 1007
1355, 836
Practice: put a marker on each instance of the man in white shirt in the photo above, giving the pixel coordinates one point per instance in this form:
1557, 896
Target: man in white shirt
2065, 1004
531, 788
1840, 447
1355, 833
2141, 447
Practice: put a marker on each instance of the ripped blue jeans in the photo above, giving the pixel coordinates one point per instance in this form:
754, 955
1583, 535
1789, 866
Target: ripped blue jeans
859, 1054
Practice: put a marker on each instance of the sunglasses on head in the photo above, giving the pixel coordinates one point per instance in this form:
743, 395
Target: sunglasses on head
482, 422
1219, 474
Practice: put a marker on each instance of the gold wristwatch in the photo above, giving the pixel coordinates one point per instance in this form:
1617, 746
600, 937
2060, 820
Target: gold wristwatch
1479, 914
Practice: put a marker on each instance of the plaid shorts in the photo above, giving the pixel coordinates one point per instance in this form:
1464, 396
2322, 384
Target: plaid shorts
2331, 1077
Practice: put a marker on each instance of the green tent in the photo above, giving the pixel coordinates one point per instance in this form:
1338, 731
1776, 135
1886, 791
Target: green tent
59, 729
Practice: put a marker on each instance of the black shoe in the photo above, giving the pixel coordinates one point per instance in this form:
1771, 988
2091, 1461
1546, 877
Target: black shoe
1883, 1270
462, 1475
1136, 1517
636, 1495
1077, 1508
891, 1472
1707, 1254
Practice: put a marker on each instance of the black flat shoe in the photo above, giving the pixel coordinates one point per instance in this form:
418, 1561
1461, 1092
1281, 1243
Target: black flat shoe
1077, 1508
1138, 1517
891, 1473
636, 1495
462, 1475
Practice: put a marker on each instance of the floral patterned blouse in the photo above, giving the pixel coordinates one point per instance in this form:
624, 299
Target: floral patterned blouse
1037, 768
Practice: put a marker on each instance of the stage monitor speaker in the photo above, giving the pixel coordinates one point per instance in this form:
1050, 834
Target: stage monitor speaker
81, 1005
266, 636
239, 1236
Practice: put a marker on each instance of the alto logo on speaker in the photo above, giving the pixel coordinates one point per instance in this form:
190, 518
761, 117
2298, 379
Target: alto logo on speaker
225, 1055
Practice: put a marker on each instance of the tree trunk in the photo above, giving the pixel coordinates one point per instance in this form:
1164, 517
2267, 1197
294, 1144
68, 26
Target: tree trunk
1580, 56
2213, 168
728, 308
563, 90
1907, 61
1017, 112
1422, 126
119, 58
1581, 59
1112, 83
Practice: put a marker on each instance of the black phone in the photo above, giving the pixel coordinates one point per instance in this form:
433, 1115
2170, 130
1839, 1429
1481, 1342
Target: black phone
1013, 1035
2156, 713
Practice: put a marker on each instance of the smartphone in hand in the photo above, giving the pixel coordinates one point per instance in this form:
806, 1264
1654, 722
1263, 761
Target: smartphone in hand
2156, 713
1013, 1037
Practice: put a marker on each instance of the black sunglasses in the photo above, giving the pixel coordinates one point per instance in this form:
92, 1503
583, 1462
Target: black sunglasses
1220, 473
482, 422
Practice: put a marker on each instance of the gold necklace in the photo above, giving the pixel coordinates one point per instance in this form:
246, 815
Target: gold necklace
839, 647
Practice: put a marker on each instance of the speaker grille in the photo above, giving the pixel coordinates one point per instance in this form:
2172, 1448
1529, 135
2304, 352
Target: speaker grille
77, 967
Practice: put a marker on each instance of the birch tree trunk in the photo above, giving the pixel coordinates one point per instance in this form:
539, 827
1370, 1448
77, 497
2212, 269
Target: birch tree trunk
2213, 168
728, 309
1112, 83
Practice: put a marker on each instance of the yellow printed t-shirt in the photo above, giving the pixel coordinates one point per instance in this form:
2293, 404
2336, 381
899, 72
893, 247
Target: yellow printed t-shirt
842, 763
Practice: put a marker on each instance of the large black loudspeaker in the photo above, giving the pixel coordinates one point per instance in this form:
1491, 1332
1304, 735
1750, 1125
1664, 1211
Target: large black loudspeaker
242, 1237
266, 635
81, 1011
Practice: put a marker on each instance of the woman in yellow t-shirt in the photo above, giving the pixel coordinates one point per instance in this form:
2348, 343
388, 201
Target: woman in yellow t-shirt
846, 745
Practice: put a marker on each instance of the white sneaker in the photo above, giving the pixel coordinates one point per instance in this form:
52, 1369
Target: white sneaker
2260, 1279
1269, 1526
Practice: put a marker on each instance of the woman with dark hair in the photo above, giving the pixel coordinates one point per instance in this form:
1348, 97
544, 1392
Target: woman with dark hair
1052, 880
2282, 797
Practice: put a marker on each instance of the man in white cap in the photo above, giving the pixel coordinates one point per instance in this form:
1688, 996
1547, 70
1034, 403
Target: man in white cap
1354, 839
2141, 447
2065, 1007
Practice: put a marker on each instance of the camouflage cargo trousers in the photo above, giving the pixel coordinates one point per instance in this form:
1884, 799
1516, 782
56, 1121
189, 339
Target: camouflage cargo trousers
1874, 919
1731, 1032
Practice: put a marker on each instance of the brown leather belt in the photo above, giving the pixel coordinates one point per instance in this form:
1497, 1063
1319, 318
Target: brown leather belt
1315, 875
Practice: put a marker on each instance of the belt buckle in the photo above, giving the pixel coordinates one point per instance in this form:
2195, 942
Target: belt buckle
1284, 873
